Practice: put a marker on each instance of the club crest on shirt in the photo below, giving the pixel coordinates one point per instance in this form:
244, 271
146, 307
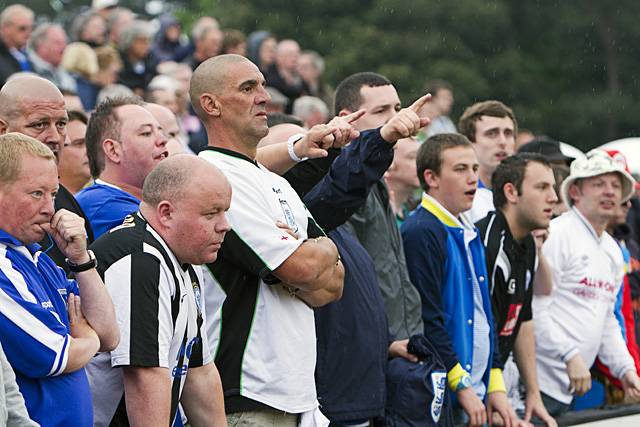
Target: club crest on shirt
511, 286
198, 296
128, 222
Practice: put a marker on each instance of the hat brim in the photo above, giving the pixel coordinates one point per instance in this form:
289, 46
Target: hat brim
628, 185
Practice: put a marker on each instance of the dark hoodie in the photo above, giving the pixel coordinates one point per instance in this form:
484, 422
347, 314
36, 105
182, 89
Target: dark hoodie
164, 49
254, 41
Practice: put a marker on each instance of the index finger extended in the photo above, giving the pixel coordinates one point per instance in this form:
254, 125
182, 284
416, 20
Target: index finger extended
350, 118
419, 103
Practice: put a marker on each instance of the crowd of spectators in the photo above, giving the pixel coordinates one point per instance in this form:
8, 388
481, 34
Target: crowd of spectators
198, 230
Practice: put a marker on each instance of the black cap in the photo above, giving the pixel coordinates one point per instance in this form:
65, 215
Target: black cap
547, 147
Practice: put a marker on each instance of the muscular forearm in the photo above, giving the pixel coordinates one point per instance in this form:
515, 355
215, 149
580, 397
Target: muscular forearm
202, 398
525, 354
310, 266
148, 396
332, 290
98, 308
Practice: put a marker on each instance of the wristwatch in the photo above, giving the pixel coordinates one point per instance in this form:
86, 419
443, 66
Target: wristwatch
465, 382
79, 268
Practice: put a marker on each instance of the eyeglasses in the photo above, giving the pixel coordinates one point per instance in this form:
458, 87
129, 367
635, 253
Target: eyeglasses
24, 28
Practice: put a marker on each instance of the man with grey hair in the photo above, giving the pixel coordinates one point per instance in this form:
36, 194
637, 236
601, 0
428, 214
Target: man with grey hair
46, 46
148, 264
16, 23
311, 110
138, 67
283, 74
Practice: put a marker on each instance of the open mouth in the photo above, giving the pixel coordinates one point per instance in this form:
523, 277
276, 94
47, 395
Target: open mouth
470, 193
501, 155
162, 155
607, 204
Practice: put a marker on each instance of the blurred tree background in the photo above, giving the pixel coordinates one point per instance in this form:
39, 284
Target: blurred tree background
568, 69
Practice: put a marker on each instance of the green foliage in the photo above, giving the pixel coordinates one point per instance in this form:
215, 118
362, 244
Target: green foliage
569, 69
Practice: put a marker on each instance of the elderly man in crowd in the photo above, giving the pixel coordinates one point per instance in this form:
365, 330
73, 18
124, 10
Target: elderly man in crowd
33, 106
16, 23
271, 275
164, 355
48, 334
46, 46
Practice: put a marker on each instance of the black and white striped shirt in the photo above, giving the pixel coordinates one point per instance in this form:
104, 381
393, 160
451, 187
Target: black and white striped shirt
160, 314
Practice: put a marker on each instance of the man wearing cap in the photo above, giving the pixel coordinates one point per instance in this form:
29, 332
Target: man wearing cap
549, 148
587, 269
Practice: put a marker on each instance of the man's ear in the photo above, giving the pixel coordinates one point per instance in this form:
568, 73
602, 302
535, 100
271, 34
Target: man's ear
344, 112
574, 193
210, 104
510, 192
165, 210
431, 179
112, 150
4, 126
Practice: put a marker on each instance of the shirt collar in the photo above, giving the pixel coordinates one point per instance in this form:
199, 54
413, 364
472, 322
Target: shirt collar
8, 239
232, 154
587, 224
440, 212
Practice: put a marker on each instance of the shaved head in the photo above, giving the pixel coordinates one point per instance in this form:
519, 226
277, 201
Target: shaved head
25, 89
35, 107
210, 77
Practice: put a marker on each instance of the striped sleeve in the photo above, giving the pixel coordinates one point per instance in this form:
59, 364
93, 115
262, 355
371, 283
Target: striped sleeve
35, 339
142, 291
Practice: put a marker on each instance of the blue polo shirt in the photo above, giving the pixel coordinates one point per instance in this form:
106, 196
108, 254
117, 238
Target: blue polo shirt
34, 331
105, 206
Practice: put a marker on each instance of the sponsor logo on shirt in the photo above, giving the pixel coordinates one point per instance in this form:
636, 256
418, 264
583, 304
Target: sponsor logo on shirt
511, 287
47, 304
438, 382
597, 284
512, 320
289, 218
198, 296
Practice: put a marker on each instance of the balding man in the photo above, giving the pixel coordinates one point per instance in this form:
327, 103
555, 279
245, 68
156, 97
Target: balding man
47, 334
169, 124
283, 74
164, 356
33, 106
16, 23
267, 346
124, 142
46, 46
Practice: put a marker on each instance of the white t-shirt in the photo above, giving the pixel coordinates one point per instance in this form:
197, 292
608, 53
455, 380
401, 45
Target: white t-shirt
264, 338
578, 316
482, 204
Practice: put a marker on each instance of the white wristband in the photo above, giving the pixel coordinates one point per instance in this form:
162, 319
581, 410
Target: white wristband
292, 154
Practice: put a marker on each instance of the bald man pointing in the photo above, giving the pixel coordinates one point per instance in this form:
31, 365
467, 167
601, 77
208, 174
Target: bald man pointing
35, 107
271, 275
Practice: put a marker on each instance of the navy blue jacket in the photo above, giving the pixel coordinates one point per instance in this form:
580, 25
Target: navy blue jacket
352, 333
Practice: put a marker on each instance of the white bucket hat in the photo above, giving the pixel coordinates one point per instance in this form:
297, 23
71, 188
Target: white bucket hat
597, 162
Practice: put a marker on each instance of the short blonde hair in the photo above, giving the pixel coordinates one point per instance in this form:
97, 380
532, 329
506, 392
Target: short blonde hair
79, 58
13, 147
